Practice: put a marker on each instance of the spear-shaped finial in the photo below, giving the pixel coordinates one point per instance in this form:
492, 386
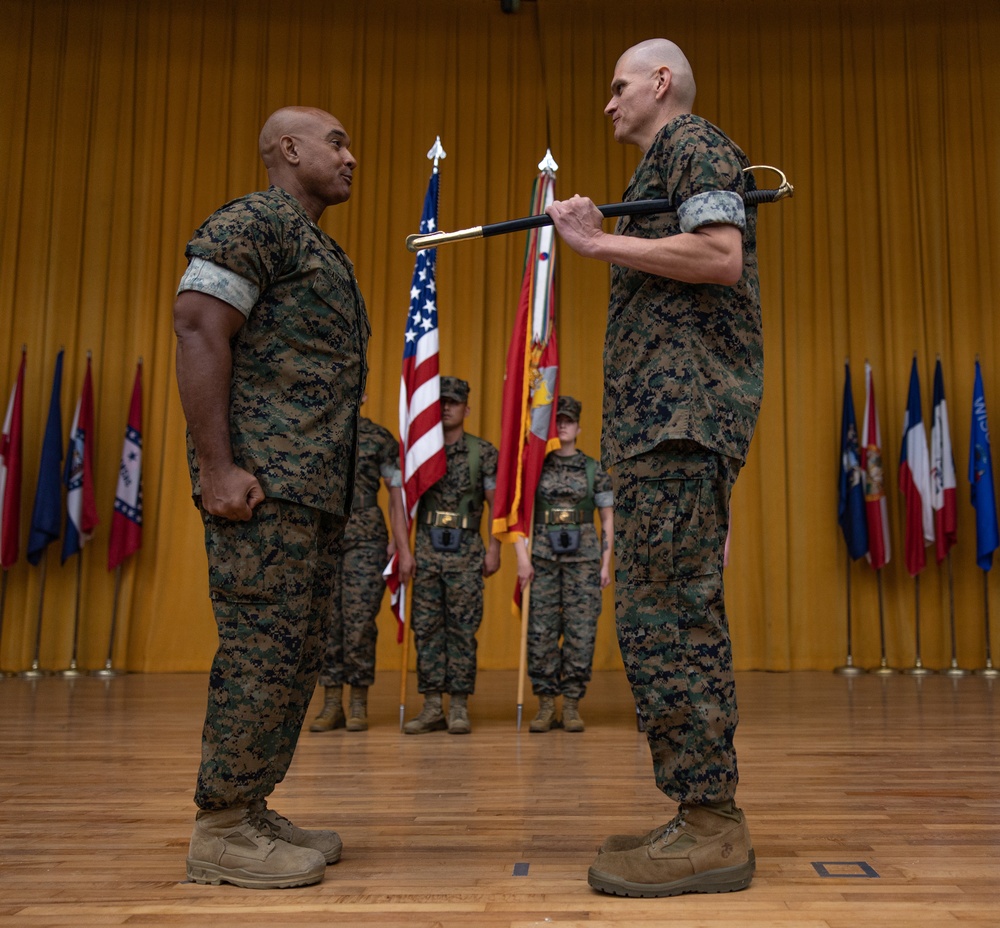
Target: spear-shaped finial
437, 152
548, 163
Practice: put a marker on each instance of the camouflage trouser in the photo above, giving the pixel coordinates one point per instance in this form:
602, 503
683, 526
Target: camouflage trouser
671, 519
565, 601
270, 581
445, 616
351, 631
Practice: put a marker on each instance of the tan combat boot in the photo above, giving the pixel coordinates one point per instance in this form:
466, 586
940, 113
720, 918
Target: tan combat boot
328, 843
705, 849
332, 714
546, 718
235, 846
571, 720
357, 720
431, 717
458, 714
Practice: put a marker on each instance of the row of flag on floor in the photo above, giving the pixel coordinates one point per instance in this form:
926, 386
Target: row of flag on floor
926, 478
75, 475
531, 382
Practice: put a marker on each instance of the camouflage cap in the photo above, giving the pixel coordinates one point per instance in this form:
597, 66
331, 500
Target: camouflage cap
568, 407
452, 388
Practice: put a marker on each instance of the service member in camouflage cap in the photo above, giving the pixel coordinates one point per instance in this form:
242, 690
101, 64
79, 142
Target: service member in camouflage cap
451, 564
683, 378
359, 587
568, 568
272, 333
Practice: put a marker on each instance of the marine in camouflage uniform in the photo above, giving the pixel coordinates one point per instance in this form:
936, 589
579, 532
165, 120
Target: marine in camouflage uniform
352, 632
272, 337
447, 603
683, 369
566, 587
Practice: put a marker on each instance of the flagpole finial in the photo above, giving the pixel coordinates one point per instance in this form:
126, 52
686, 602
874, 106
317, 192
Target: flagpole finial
548, 163
437, 152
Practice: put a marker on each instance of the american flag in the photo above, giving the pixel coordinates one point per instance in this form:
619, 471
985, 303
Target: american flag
421, 438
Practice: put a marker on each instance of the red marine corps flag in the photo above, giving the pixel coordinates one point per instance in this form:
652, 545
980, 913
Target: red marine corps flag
531, 381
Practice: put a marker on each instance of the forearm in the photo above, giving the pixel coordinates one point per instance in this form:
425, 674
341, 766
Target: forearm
709, 255
204, 372
607, 535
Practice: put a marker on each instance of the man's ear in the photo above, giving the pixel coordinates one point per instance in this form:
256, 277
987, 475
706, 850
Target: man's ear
663, 77
288, 148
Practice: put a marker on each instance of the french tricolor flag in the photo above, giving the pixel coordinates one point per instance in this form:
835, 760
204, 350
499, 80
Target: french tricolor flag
915, 481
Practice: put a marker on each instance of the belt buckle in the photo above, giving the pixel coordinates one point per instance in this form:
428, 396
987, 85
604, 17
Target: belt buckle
563, 516
446, 519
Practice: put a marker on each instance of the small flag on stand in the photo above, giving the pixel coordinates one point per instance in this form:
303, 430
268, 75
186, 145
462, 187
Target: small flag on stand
851, 503
915, 480
981, 478
531, 380
126, 521
876, 506
81, 506
421, 438
46, 515
11, 459
943, 493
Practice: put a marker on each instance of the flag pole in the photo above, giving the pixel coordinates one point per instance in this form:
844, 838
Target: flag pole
3, 607
918, 669
953, 670
522, 650
108, 670
72, 670
403, 667
848, 668
35, 672
989, 670
883, 668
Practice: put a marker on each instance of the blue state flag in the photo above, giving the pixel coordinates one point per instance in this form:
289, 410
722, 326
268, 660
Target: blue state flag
981, 479
46, 516
851, 505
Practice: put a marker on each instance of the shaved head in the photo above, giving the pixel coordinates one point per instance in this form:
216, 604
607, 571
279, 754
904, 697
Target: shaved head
289, 120
657, 53
307, 153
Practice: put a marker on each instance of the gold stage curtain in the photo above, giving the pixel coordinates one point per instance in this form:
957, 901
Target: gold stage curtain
122, 125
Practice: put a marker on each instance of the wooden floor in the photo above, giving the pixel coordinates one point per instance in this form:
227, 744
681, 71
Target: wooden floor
871, 802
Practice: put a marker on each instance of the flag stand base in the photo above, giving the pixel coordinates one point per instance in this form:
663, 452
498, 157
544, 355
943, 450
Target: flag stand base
918, 670
108, 672
71, 671
35, 673
988, 671
849, 669
883, 669
954, 670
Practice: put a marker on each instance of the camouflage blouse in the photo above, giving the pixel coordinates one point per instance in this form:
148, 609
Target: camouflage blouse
563, 485
684, 361
299, 361
378, 460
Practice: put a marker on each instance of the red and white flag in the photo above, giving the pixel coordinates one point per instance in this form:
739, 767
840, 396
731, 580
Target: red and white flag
126, 520
421, 438
876, 506
81, 506
531, 380
11, 453
915, 480
944, 499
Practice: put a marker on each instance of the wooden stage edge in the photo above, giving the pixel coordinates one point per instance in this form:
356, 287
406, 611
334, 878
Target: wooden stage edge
872, 801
